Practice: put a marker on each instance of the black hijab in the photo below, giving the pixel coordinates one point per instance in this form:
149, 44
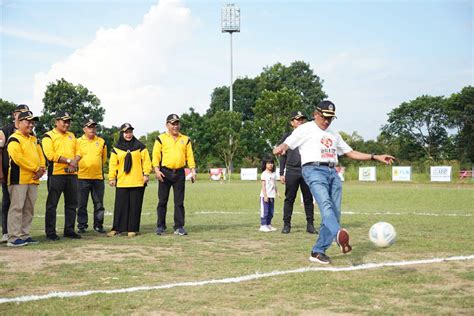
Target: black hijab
128, 146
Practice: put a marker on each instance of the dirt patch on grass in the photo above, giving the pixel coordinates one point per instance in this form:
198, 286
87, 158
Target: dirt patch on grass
28, 260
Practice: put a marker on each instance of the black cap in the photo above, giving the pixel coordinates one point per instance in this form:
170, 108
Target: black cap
64, 115
326, 108
126, 126
89, 122
27, 115
295, 115
21, 108
172, 118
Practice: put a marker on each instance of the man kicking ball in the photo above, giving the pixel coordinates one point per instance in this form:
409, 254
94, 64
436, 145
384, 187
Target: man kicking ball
319, 147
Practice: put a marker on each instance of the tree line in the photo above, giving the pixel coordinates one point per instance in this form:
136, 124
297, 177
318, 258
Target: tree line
426, 130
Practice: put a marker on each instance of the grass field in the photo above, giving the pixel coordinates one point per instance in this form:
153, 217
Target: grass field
432, 221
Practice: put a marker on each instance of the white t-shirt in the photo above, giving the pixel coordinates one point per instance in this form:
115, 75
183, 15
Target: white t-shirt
270, 180
317, 145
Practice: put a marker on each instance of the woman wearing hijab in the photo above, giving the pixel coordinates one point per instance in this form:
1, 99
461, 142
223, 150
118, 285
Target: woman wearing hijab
129, 167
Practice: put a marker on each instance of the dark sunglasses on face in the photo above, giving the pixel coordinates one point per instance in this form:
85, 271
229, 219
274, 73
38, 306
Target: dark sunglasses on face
175, 123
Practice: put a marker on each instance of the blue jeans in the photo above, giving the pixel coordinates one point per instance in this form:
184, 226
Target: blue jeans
326, 187
266, 211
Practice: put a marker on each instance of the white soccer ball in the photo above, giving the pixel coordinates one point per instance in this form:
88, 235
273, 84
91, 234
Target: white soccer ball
382, 234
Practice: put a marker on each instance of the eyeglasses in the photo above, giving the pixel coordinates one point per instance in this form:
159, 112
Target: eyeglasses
175, 123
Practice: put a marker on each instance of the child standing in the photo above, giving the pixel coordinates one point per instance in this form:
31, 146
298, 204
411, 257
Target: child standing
267, 195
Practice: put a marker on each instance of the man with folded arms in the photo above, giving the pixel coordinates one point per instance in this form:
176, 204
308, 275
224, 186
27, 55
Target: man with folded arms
61, 151
27, 165
93, 152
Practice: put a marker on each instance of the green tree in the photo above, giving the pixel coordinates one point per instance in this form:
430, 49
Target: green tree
419, 125
6, 109
77, 99
245, 94
272, 111
298, 76
460, 107
197, 128
224, 125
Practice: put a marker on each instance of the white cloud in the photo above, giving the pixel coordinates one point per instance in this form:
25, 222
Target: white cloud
134, 70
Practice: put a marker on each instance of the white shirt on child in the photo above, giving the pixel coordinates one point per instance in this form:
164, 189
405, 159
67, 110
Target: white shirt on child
270, 180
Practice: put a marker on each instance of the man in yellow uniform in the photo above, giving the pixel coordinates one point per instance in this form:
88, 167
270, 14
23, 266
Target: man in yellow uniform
5, 132
172, 151
93, 152
61, 151
27, 165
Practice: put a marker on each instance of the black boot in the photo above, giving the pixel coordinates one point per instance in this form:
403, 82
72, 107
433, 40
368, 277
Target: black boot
286, 229
310, 229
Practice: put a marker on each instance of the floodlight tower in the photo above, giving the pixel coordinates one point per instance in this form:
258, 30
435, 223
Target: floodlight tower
230, 23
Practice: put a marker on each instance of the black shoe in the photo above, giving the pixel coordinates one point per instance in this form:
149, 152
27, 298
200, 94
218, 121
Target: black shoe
319, 258
81, 230
100, 230
160, 230
286, 229
310, 229
52, 237
72, 235
180, 231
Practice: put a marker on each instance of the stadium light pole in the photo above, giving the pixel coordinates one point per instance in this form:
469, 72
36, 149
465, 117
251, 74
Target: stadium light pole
230, 23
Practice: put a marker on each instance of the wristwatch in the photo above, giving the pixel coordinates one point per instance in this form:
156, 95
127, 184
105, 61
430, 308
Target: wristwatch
372, 156
68, 161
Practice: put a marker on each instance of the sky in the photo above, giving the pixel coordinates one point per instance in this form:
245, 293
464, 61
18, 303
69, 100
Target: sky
145, 59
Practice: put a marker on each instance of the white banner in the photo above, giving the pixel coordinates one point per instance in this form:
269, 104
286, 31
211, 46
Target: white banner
367, 174
217, 174
248, 174
441, 174
340, 172
401, 173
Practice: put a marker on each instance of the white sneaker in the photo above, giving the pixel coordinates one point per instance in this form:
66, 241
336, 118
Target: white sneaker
5, 238
271, 228
265, 229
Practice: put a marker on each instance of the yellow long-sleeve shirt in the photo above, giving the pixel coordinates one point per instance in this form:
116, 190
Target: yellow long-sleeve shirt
173, 153
141, 165
56, 144
26, 158
93, 154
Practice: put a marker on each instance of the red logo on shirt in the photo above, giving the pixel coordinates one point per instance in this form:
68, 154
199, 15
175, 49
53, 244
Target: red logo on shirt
326, 142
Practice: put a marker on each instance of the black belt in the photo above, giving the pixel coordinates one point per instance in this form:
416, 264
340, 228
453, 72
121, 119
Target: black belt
174, 170
321, 163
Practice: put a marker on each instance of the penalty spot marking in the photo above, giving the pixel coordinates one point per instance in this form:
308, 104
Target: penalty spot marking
244, 278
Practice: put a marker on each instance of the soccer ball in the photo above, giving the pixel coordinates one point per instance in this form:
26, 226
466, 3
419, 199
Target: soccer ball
382, 234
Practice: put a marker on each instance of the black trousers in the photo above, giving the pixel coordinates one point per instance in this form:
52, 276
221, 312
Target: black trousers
58, 185
128, 209
177, 180
96, 189
293, 182
5, 207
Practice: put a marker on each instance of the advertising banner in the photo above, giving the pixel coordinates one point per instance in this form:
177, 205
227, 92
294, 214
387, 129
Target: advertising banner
340, 172
401, 173
441, 174
367, 174
248, 174
217, 174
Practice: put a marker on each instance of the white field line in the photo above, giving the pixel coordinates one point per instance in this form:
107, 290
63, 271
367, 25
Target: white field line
301, 213
401, 214
244, 278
